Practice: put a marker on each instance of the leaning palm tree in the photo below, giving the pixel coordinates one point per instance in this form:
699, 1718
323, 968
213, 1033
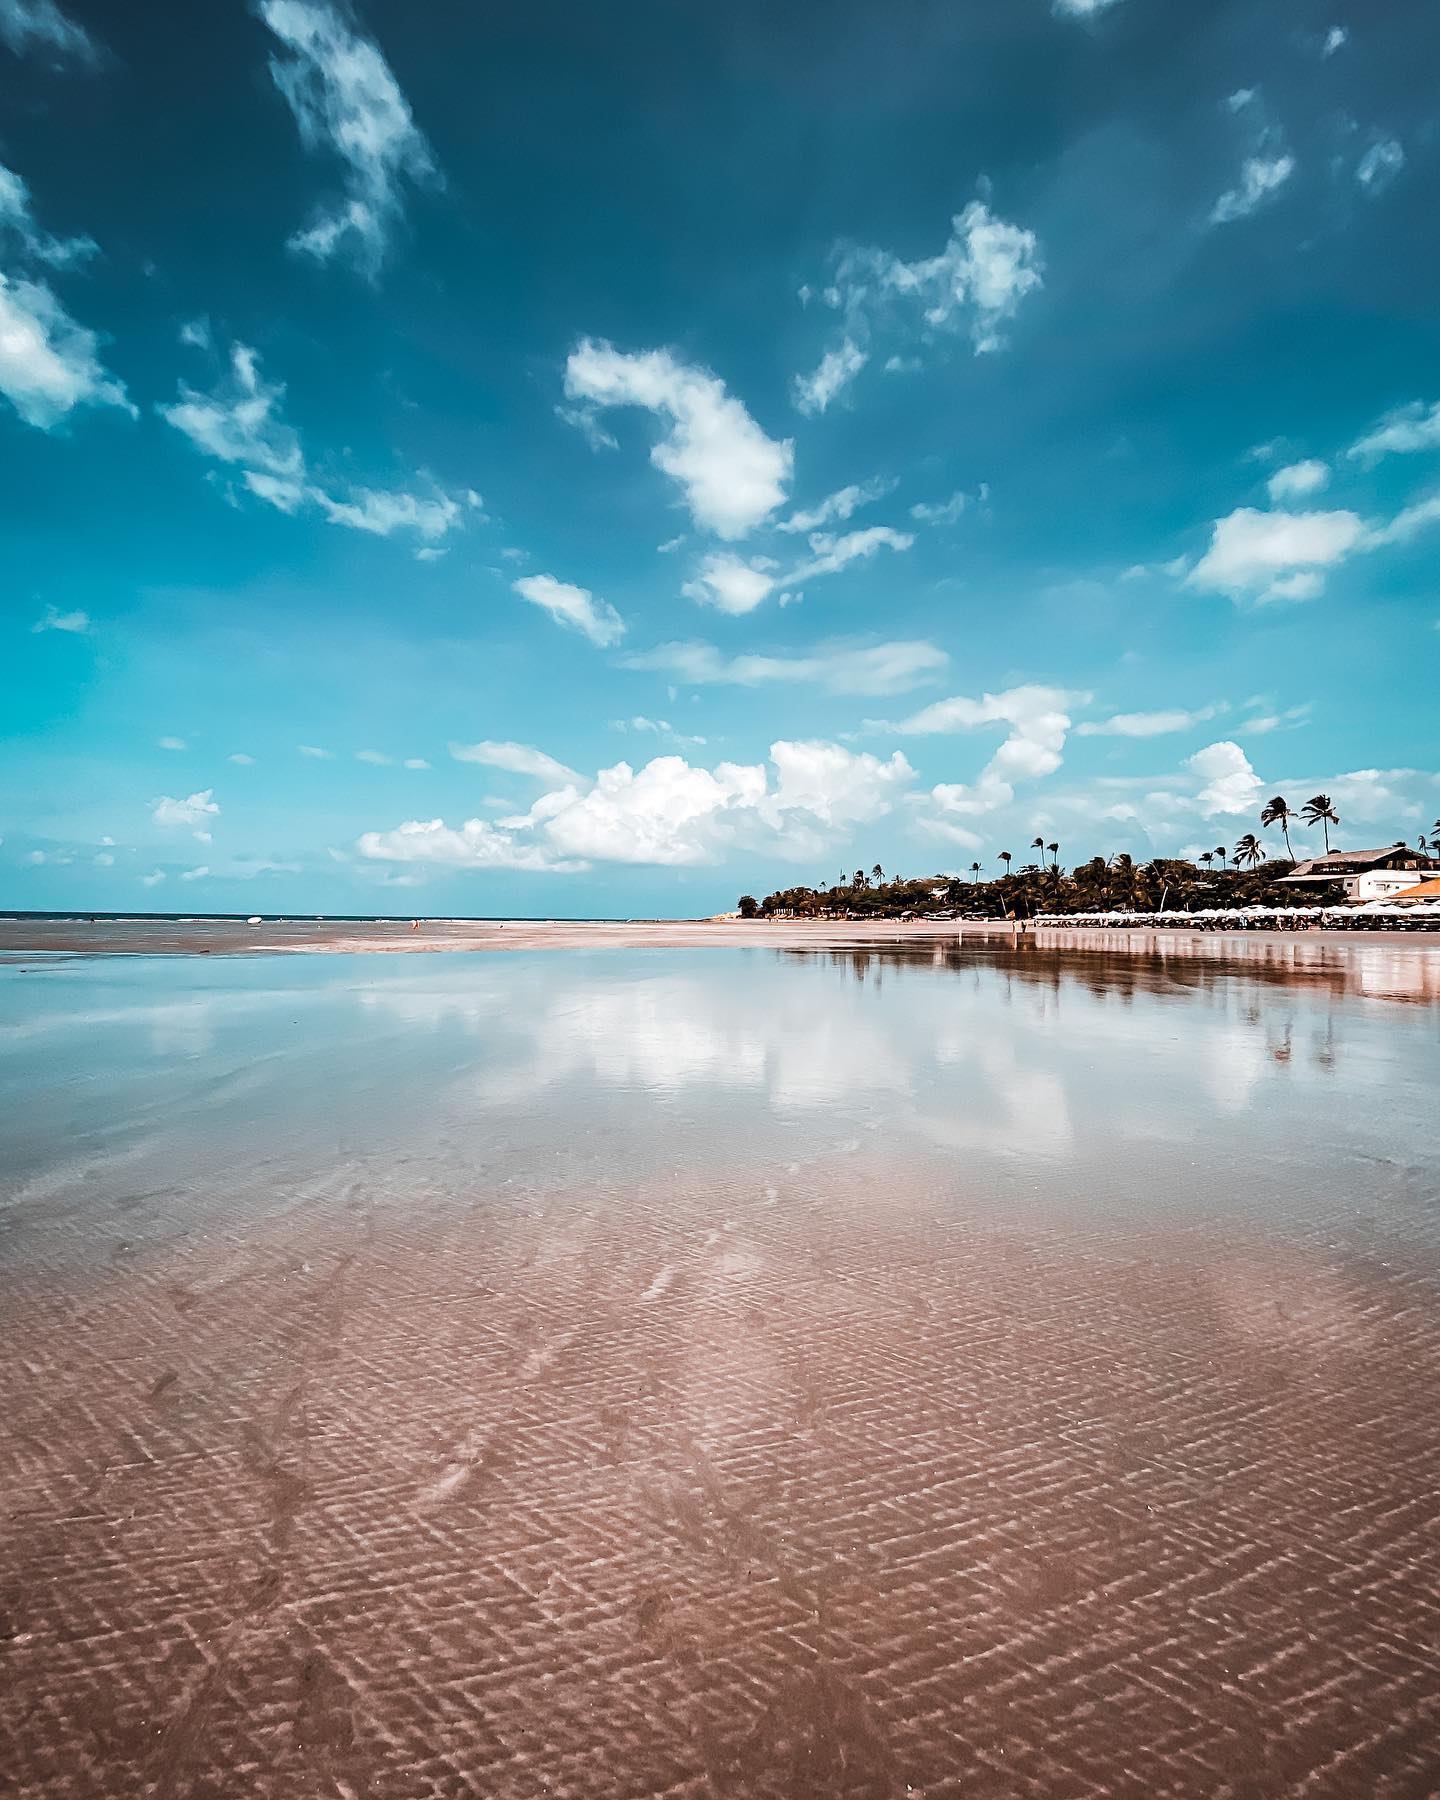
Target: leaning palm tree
1054, 850
1038, 843
1319, 811
1007, 859
1221, 853
1249, 850
1207, 857
974, 874
1277, 812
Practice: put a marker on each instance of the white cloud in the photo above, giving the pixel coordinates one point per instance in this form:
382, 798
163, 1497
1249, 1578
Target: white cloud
733, 475
345, 99
475, 845
1231, 786
415, 762
314, 751
1147, 724
48, 363
240, 757
831, 554
976, 282
377, 758
730, 584
1298, 480
195, 874
517, 759
240, 424
153, 879
1081, 9
1260, 553
383, 513
839, 668
1038, 719
946, 512
837, 369
670, 813
837, 507
1336, 38
1260, 177
574, 607
1379, 166
40, 24
54, 620
19, 227
1401, 432
173, 743
193, 813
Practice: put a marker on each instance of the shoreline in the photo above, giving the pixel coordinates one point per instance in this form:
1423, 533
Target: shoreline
230, 937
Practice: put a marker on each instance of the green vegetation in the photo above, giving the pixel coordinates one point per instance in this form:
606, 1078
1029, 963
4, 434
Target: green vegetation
1040, 887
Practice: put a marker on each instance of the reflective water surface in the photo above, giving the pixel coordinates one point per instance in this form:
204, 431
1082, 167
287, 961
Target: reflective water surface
979, 1369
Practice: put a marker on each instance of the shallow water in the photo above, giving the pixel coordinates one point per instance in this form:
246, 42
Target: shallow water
951, 1370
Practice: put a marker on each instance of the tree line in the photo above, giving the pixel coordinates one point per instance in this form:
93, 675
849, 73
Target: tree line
1241, 874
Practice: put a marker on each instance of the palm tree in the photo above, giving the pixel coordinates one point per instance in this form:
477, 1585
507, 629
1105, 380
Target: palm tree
1207, 857
1249, 850
1277, 812
878, 873
1007, 859
974, 874
1220, 852
1038, 843
1319, 811
1054, 850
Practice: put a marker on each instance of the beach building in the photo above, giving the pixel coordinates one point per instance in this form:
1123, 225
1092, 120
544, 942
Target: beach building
1364, 874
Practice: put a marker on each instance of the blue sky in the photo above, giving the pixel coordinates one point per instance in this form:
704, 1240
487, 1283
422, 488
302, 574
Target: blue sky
553, 460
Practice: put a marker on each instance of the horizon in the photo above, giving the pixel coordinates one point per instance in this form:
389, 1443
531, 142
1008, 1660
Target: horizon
535, 466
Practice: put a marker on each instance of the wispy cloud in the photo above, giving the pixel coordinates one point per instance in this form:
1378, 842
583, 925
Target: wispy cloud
1402, 431
1261, 177
732, 474
28, 26
1149, 724
515, 759
346, 101
975, 283
49, 364
572, 606
239, 423
839, 668
52, 619
837, 507
1380, 165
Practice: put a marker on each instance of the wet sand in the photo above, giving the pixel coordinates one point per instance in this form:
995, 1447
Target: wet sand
230, 937
820, 1476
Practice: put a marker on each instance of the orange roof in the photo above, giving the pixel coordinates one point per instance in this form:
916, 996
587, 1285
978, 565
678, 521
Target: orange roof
1425, 890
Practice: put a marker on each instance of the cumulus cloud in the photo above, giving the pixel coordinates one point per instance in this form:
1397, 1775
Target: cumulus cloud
1230, 785
52, 619
240, 424
670, 813
1276, 555
1297, 481
40, 25
975, 283
1148, 724
839, 668
1401, 432
1261, 176
346, 101
731, 584
1379, 166
837, 369
515, 759
574, 607
1038, 719
193, 813
49, 364
837, 507
733, 475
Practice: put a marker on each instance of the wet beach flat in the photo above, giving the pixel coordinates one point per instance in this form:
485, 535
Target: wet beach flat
734, 1361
